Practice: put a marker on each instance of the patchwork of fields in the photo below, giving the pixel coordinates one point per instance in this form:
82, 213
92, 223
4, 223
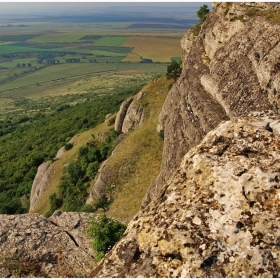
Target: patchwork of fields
61, 74
39, 59
81, 49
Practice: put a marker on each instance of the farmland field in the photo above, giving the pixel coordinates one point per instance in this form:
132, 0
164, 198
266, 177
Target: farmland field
40, 58
157, 49
41, 55
132, 57
110, 41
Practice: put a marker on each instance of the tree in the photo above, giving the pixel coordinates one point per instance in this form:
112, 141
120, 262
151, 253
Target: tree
202, 13
174, 70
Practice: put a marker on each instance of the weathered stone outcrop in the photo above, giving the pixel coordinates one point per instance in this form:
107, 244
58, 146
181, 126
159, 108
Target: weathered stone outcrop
121, 114
230, 69
134, 114
62, 150
101, 183
33, 246
130, 114
40, 184
44, 177
218, 216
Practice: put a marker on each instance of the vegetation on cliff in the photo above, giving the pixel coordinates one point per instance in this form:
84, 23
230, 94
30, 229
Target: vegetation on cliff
23, 150
105, 232
72, 189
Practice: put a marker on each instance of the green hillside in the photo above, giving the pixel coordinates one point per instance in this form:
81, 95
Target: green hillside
134, 164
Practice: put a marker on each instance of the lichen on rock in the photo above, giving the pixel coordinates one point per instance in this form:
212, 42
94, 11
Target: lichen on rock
218, 215
33, 246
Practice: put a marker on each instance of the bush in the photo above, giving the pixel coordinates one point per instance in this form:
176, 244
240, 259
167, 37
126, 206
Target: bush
68, 146
55, 203
92, 169
105, 233
174, 70
111, 121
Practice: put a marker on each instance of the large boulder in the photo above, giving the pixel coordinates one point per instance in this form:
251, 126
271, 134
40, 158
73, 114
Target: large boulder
33, 246
218, 216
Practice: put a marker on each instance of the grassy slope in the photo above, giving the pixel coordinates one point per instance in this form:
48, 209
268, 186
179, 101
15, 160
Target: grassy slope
135, 162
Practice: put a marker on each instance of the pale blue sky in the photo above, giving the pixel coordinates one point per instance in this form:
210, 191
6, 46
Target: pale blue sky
53, 6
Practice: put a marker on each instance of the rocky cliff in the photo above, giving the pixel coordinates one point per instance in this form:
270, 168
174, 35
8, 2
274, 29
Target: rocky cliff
214, 209
230, 69
218, 216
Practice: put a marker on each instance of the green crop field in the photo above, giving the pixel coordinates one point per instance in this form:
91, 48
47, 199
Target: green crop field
58, 72
57, 38
110, 41
63, 71
107, 53
8, 49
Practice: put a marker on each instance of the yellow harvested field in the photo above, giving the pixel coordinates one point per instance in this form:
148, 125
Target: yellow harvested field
157, 49
132, 57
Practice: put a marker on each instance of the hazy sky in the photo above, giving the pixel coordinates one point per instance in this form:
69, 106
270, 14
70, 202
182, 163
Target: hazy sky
55, 7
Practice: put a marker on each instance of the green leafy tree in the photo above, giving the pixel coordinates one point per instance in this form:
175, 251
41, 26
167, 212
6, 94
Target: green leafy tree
105, 233
202, 13
174, 69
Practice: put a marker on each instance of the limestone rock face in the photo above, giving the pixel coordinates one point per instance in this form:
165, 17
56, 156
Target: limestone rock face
230, 69
134, 114
33, 246
218, 216
130, 114
40, 184
121, 114
102, 181
129, 117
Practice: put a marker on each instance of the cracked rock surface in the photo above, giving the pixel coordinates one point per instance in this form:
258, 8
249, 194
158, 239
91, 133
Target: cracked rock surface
219, 214
33, 246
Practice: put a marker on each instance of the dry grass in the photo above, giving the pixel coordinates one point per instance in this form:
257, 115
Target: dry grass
132, 57
149, 48
136, 161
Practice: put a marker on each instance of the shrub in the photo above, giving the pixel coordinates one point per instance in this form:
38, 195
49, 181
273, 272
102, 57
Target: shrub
68, 146
197, 29
174, 69
105, 233
92, 169
55, 203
